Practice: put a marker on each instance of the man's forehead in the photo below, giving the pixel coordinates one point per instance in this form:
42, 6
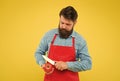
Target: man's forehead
64, 20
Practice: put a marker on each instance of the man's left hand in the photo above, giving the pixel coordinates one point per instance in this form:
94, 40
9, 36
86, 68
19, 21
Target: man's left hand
60, 65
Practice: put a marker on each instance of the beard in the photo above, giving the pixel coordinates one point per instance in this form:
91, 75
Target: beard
64, 33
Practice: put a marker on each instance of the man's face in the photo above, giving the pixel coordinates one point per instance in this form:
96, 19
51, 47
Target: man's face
65, 27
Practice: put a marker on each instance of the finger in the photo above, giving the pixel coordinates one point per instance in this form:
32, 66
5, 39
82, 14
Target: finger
43, 66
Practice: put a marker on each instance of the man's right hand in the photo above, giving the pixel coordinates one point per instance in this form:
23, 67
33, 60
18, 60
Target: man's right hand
48, 68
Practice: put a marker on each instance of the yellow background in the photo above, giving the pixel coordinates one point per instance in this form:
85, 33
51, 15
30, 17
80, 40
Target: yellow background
24, 22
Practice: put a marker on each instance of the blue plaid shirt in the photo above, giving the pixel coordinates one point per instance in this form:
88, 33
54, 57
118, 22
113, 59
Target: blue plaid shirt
83, 60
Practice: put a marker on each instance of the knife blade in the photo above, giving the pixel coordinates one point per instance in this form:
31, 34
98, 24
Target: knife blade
49, 60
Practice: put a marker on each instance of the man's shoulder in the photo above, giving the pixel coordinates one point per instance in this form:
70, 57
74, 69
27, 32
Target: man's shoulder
78, 37
51, 32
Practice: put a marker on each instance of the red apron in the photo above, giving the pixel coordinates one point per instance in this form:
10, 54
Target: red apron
62, 53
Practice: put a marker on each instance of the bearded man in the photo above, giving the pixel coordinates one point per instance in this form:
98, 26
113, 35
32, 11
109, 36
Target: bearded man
66, 48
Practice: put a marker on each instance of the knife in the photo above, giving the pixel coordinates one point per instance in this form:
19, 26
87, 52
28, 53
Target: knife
49, 60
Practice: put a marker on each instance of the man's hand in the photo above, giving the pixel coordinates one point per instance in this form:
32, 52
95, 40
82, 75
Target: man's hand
48, 68
43, 66
60, 65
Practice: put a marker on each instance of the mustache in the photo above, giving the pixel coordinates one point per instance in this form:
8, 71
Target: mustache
64, 30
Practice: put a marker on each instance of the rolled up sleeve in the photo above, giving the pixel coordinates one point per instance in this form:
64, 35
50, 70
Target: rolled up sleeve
84, 63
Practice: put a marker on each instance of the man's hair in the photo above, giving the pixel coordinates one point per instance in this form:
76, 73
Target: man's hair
69, 13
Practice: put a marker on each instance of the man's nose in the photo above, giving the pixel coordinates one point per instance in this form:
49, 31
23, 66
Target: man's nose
63, 26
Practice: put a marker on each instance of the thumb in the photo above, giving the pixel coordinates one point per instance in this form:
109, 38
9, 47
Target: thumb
43, 66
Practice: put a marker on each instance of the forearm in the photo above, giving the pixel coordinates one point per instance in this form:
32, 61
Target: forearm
39, 59
41, 50
78, 66
38, 56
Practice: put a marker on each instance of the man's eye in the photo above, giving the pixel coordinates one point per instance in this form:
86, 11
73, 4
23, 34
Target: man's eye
62, 23
68, 24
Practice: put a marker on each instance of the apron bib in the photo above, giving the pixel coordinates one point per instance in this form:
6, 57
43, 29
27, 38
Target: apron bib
65, 54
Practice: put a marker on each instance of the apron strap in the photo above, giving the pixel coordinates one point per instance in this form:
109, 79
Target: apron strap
54, 39
73, 41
